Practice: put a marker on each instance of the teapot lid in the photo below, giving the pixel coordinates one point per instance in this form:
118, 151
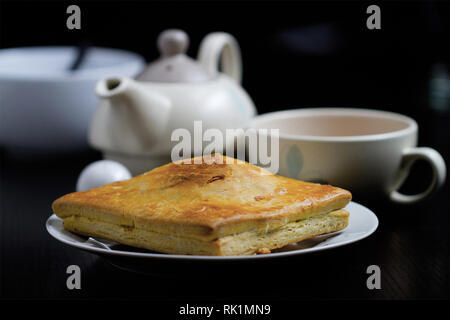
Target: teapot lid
174, 65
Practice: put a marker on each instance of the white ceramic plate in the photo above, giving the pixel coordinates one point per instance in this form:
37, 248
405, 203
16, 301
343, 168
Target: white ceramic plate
363, 223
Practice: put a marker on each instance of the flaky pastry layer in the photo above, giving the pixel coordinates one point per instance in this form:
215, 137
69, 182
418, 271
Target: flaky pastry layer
244, 243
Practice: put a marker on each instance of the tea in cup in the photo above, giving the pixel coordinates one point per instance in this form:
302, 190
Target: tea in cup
368, 152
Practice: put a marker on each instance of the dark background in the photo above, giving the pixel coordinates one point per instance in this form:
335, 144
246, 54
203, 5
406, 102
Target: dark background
295, 54
308, 54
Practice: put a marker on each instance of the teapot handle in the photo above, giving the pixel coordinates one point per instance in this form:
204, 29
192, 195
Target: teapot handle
223, 46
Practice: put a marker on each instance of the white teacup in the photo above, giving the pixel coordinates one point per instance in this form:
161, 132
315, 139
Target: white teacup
368, 152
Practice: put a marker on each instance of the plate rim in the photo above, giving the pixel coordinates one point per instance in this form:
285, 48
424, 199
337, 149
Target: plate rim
150, 255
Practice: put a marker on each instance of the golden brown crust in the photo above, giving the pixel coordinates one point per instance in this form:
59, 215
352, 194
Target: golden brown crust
263, 250
204, 201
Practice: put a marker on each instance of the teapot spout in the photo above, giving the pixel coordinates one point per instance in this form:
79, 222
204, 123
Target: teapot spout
113, 87
145, 110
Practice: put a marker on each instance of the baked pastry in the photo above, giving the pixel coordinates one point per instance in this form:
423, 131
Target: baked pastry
228, 207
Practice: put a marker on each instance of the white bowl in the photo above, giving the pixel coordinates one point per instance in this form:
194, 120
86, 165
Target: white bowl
46, 107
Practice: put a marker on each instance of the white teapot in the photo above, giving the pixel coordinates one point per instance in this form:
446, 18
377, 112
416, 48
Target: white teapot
134, 122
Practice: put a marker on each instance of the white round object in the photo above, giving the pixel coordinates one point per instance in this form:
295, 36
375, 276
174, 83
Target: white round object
101, 172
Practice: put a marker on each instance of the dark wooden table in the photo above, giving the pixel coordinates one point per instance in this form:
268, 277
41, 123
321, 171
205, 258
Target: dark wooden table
411, 246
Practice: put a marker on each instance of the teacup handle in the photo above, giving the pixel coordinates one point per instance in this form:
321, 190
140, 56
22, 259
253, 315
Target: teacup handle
223, 47
410, 155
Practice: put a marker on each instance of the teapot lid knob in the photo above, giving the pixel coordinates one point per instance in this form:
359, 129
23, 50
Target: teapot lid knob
174, 65
172, 42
